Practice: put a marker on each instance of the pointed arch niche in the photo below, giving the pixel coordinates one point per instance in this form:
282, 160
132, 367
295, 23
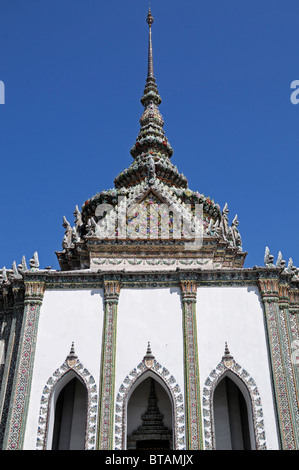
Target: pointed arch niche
71, 385
232, 407
149, 378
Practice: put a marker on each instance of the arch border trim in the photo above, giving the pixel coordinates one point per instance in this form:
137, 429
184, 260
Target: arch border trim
255, 399
176, 394
92, 405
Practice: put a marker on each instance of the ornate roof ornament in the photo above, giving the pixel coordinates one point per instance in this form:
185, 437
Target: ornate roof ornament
3, 275
34, 262
151, 212
22, 267
151, 141
268, 258
280, 263
16, 273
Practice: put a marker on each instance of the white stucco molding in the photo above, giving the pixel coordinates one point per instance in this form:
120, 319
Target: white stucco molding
150, 368
71, 367
229, 367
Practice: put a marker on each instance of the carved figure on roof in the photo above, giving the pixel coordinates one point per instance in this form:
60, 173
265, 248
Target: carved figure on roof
268, 259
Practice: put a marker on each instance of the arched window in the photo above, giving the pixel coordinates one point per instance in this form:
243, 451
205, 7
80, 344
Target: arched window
232, 415
70, 414
149, 417
60, 394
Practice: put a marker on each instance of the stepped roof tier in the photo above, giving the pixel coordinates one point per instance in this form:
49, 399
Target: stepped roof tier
151, 218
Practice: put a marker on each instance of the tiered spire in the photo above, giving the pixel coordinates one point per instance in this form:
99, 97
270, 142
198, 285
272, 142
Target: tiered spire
151, 137
151, 149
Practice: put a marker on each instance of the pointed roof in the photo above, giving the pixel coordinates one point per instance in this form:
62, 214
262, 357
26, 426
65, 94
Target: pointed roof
151, 151
151, 182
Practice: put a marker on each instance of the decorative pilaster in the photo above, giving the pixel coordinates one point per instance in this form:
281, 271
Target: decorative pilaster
288, 336
11, 338
269, 288
192, 386
294, 300
107, 385
14, 436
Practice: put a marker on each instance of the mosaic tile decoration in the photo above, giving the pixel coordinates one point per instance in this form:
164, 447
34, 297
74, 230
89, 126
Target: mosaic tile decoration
22, 380
92, 406
191, 368
257, 412
107, 381
279, 378
290, 367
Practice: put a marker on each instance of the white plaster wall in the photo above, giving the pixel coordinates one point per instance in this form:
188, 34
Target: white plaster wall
232, 314
66, 316
153, 315
235, 315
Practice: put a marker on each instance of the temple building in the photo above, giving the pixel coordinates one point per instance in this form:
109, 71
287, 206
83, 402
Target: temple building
152, 335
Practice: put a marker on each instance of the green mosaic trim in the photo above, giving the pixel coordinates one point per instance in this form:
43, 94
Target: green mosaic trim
279, 380
289, 368
194, 438
232, 367
107, 382
14, 436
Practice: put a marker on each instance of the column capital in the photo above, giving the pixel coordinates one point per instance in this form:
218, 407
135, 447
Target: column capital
269, 289
34, 291
284, 299
111, 290
294, 300
188, 290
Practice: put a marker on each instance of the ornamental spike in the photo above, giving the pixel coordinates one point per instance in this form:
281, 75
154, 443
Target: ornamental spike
24, 264
280, 261
4, 274
227, 357
34, 262
65, 222
150, 70
16, 273
235, 221
151, 139
266, 256
72, 355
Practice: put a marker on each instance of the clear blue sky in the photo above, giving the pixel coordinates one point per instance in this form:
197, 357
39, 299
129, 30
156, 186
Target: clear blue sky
74, 72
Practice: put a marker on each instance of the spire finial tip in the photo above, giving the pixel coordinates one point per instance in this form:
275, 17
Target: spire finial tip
149, 18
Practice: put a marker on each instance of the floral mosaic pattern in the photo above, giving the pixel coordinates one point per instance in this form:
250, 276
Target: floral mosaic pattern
280, 384
19, 408
92, 406
257, 412
289, 367
111, 290
193, 408
173, 388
